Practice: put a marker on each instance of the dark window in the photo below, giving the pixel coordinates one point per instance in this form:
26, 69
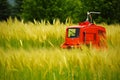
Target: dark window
73, 32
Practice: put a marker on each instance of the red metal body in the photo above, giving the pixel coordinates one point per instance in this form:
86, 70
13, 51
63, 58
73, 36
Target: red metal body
85, 33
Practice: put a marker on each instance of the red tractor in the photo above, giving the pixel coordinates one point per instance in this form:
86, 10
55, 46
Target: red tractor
86, 33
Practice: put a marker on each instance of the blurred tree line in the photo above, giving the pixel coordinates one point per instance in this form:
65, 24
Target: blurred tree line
61, 9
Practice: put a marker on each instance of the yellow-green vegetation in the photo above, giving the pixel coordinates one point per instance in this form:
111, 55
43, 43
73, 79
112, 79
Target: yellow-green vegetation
31, 51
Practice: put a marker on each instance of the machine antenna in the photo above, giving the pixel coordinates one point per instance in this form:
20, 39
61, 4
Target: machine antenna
89, 16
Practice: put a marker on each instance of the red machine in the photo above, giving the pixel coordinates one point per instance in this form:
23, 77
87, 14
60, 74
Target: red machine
85, 33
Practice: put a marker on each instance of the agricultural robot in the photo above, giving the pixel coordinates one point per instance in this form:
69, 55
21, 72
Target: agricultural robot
86, 33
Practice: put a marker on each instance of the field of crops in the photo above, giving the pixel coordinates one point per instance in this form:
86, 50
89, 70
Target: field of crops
31, 51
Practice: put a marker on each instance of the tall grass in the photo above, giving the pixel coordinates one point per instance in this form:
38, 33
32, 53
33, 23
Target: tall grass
30, 51
14, 33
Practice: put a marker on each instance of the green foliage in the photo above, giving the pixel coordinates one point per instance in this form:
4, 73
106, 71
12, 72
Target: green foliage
50, 10
17, 9
4, 9
109, 12
73, 9
41, 9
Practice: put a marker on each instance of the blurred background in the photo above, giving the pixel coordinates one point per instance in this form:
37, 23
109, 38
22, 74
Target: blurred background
28, 10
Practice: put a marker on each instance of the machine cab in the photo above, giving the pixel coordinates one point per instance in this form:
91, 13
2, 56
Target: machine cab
85, 33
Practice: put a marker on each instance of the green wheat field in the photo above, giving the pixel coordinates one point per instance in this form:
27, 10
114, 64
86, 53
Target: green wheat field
31, 51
